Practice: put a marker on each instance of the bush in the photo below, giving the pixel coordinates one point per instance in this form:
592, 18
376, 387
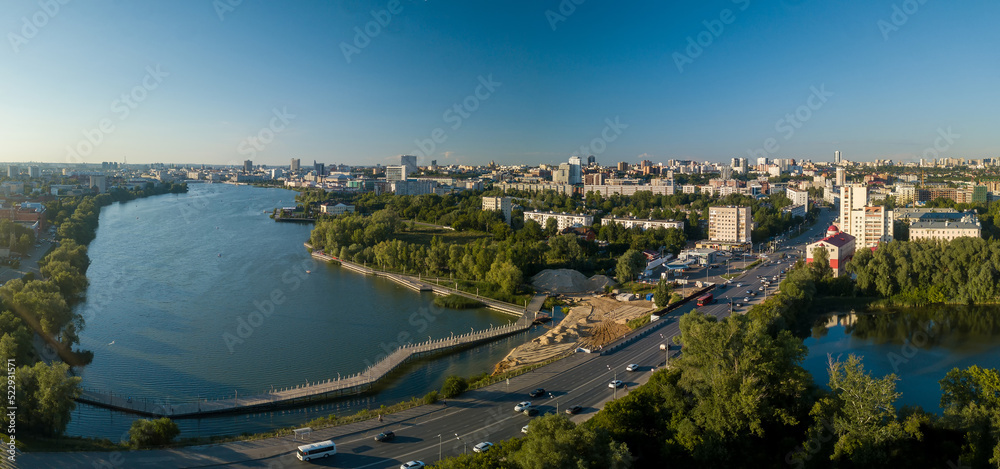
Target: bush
146, 433
431, 397
454, 386
457, 302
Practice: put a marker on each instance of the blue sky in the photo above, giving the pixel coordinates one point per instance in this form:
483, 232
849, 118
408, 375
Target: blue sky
269, 80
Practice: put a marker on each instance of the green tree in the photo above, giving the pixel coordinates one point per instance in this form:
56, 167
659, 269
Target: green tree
506, 275
820, 265
453, 386
862, 412
46, 395
147, 433
662, 295
629, 265
554, 442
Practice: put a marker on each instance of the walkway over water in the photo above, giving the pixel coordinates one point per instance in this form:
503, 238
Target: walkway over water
330, 388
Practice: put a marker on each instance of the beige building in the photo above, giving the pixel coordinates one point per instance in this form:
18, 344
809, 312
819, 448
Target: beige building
871, 225
643, 223
729, 224
563, 220
797, 197
338, 209
944, 230
503, 204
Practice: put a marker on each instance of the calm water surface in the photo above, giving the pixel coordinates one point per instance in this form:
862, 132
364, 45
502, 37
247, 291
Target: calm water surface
919, 345
202, 295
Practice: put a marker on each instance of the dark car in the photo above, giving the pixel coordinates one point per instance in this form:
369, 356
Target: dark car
385, 436
531, 412
574, 409
537, 393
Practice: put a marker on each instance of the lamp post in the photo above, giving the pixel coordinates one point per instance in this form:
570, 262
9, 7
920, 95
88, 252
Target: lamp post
465, 446
439, 446
556, 401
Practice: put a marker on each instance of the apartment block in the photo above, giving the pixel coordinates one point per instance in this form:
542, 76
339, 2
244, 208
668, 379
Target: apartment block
729, 224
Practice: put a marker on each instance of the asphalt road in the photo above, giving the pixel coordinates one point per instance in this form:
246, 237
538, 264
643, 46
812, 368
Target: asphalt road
427, 432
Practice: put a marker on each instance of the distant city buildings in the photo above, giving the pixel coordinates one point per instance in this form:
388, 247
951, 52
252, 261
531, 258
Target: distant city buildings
410, 162
396, 173
797, 197
335, 209
296, 165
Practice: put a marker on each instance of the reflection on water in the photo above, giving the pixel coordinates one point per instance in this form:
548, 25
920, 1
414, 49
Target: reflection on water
919, 345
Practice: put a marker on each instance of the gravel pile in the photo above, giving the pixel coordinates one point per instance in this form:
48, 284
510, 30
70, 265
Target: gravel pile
569, 281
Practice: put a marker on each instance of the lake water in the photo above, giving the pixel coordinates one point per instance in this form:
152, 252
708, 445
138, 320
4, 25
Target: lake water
202, 295
919, 345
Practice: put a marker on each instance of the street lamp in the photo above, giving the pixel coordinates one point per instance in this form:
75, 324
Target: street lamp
439, 446
465, 446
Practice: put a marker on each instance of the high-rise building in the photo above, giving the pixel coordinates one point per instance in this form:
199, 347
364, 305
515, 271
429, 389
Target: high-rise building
296, 164
410, 161
320, 168
434, 164
841, 176
247, 166
13, 171
623, 166
729, 224
836, 157
100, 182
852, 197
591, 160
503, 204
395, 173
575, 171
34, 172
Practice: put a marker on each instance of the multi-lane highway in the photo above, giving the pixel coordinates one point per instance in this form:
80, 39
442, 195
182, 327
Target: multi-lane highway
429, 432
582, 379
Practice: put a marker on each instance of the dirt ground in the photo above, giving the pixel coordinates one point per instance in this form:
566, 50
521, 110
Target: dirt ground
592, 321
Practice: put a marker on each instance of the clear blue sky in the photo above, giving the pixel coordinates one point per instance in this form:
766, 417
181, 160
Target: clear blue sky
223, 79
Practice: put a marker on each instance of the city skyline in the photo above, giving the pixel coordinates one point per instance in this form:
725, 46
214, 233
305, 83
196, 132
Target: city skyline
521, 83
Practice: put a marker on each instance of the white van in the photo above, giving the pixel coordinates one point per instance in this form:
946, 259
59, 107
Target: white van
317, 450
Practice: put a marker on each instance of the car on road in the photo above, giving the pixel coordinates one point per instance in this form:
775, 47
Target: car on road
632, 367
537, 392
746, 300
737, 305
738, 285
574, 409
616, 384
749, 292
761, 288
482, 447
385, 436
524, 429
412, 465
530, 412
522, 406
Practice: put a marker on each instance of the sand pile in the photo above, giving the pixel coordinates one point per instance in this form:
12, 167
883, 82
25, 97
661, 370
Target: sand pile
569, 281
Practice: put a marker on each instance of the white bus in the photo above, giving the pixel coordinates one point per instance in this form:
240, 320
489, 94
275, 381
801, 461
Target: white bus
317, 450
